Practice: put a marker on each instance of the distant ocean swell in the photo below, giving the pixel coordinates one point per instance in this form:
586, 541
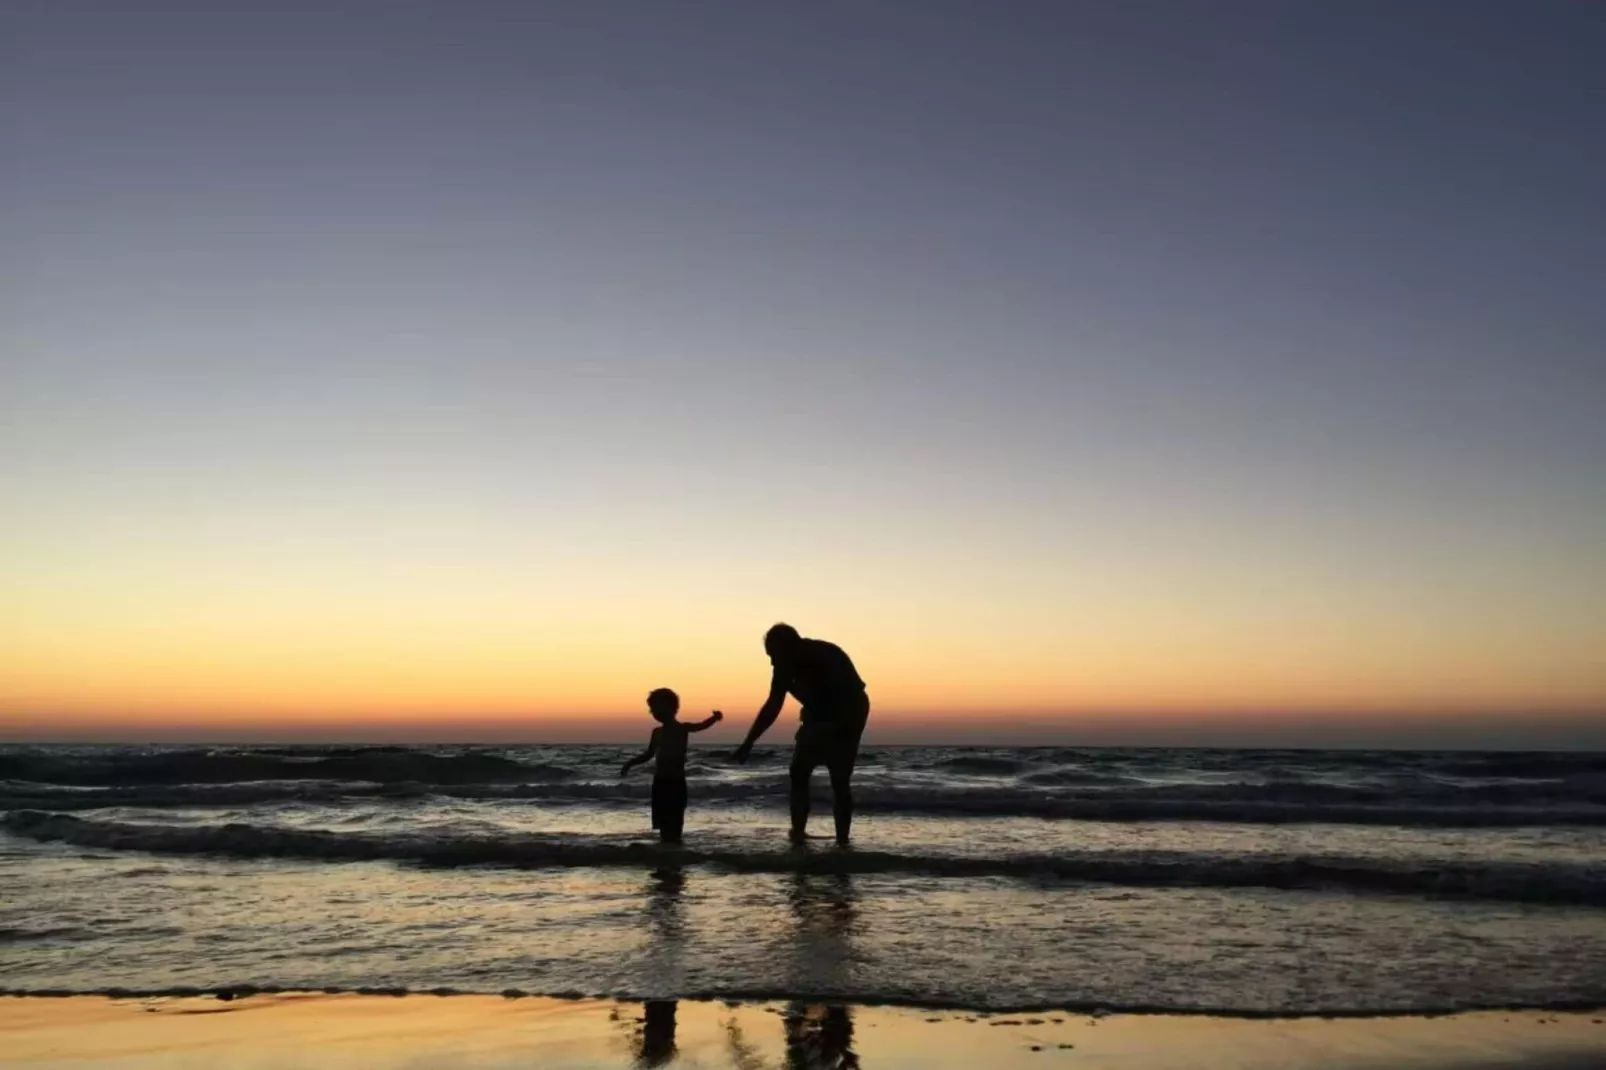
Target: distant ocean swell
1558, 883
385, 765
1581, 776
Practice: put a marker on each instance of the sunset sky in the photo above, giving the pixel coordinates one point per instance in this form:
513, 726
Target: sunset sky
1107, 372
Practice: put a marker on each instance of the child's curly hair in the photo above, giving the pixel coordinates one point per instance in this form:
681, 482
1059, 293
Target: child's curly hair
662, 702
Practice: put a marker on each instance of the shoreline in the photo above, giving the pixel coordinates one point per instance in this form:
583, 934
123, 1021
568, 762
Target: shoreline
317, 1031
235, 993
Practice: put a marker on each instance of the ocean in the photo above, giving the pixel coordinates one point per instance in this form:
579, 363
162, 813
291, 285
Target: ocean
1242, 882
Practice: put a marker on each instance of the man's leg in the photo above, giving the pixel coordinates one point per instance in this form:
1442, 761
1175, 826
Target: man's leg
801, 774
805, 756
842, 800
844, 754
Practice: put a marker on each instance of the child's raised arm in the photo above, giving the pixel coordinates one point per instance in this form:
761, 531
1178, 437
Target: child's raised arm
644, 756
713, 719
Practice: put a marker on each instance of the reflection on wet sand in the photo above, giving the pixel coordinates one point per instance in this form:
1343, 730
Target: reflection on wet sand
819, 1036
818, 961
666, 940
319, 1032
657, 1033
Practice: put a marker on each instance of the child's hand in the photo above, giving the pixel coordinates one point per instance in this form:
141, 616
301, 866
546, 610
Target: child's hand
624, 770
718, 716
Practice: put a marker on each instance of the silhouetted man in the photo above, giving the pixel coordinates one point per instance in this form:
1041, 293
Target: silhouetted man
835, 708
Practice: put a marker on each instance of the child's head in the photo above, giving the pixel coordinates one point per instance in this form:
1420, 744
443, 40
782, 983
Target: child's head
663, 704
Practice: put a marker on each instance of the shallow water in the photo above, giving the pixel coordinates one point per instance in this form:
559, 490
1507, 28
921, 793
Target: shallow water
499, 883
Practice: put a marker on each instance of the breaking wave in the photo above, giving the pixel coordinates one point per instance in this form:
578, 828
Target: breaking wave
1558, 883
1494, 807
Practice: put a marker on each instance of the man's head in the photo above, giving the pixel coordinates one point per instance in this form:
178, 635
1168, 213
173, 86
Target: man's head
781, 640
663, 704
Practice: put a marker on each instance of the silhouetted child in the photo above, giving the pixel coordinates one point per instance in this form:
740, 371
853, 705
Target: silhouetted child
668, 743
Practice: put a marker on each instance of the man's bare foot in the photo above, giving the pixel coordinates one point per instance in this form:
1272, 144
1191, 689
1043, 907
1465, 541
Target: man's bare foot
798, 837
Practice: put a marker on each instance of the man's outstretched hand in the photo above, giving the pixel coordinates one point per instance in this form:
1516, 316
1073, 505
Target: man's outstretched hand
740, 753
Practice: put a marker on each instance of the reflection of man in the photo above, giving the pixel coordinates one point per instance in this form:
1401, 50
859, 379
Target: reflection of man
819, 1037
835, 708
824, 909
657, 1033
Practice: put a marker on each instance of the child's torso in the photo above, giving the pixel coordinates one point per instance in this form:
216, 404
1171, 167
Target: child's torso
672, 750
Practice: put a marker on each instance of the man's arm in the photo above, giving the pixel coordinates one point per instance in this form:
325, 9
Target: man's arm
766, 715
712, 720
644, 756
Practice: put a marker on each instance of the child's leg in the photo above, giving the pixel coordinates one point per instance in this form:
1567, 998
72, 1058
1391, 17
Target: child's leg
660, 801
673, 824
670, 807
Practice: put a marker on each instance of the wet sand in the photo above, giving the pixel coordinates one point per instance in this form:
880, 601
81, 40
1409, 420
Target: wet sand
419, 1032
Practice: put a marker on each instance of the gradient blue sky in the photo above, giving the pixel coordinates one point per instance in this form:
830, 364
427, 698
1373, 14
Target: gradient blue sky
1052, 357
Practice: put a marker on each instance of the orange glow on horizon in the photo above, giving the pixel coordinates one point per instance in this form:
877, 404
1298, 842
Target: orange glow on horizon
345, 642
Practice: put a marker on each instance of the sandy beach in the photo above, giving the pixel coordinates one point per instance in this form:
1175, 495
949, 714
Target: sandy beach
318, 1031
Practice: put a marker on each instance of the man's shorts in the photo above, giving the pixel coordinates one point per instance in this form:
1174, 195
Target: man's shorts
832, 742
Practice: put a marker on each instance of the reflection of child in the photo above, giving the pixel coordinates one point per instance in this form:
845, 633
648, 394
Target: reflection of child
668, 743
